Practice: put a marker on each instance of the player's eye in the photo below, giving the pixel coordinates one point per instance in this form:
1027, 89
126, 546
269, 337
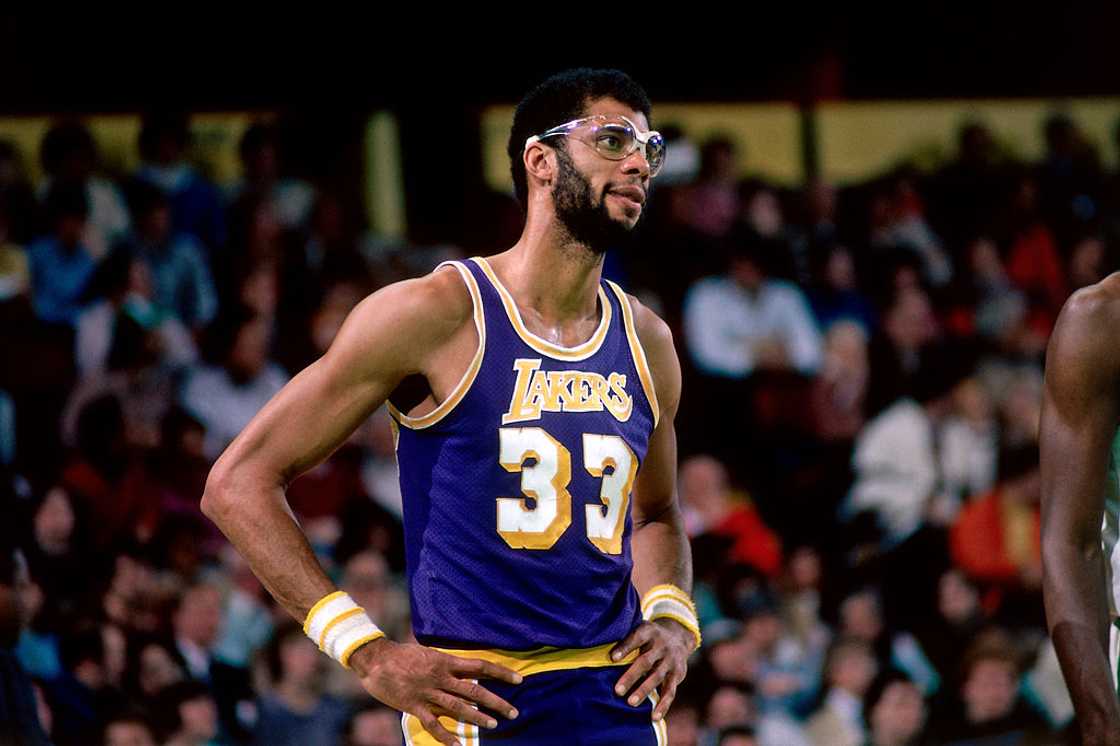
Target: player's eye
612, 141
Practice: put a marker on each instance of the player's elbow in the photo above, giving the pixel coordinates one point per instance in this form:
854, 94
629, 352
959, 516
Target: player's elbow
217, 497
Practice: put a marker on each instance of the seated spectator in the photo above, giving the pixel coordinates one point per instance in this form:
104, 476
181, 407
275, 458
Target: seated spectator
712, 506
377, 725
105, 477
153, 666
996, 539
957, 621
909, 330
19, 714
743, 321
898, 475
296, 711
128, 729
195, 206
263, 174
840, 388
836, 296
710, 205
990, 709
83, 692
969, 442
69, 156
898, 223
848, 672
180, 276
61, 264
861, 618
187, 715
894, 711
226, 396
122, 287
196, 622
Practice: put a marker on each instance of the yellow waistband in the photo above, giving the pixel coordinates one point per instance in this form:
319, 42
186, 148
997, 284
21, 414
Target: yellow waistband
529, 662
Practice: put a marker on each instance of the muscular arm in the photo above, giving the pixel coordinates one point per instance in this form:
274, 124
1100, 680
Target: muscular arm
388, 336
660, 544
1079, 418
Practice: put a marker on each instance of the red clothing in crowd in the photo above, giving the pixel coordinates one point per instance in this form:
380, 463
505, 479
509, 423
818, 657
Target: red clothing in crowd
994, 540
755, 544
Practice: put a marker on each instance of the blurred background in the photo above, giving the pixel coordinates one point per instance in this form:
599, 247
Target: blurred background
865, 229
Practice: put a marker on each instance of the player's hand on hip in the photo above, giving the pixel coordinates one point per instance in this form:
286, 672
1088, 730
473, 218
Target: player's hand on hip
665, 646
428, 684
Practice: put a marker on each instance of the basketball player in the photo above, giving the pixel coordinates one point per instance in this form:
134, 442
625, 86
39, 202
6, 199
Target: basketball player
528, 524
1081, 491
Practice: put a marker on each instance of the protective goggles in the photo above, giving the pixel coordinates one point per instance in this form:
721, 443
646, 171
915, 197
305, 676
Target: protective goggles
613, 137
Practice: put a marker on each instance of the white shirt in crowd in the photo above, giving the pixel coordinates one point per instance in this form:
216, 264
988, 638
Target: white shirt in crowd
225, 407
724, 322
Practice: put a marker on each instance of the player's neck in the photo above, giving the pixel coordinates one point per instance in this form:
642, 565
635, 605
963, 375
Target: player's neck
553, 275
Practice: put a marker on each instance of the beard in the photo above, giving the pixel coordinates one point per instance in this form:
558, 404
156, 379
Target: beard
587, 223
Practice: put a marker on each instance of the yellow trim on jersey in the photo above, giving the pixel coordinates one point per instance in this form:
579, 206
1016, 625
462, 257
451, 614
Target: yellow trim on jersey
660, 727
318, 605
637, 352
415, 735
579, 352
464, 385
545, 659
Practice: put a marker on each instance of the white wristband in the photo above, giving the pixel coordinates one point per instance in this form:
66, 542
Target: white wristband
339, 626
670, 602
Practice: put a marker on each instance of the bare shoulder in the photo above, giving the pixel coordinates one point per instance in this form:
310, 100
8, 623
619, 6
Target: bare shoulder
657, 340
1089, 321
406, 321
1083, 356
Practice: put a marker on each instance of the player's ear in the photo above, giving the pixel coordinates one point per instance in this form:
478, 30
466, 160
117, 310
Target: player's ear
540, 163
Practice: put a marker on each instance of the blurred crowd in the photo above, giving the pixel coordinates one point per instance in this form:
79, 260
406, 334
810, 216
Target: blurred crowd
858, 437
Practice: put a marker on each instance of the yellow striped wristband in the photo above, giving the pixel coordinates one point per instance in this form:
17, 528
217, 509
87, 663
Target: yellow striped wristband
670, 602
339, 626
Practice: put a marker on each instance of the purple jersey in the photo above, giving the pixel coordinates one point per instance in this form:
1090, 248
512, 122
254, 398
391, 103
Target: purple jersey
517, 487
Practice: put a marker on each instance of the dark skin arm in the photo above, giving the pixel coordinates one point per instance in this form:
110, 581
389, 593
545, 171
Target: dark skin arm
415, 327
659, 543
1080, 410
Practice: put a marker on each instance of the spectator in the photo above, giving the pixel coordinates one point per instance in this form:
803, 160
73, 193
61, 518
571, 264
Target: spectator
296, 711
69, 156
195, 207
19, 716
835, 295
61, 263
263, 174
128, 729
187, 715
176, 262
744, 321
990, 707
969, 442
197, 621
712, 506
122, 291
225, 397
996, 539
894, 711
898, 475
848, 672
840, 389
376, 725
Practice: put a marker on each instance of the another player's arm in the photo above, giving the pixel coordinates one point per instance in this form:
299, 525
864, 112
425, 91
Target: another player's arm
660, 544
1080, 409
394, 333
